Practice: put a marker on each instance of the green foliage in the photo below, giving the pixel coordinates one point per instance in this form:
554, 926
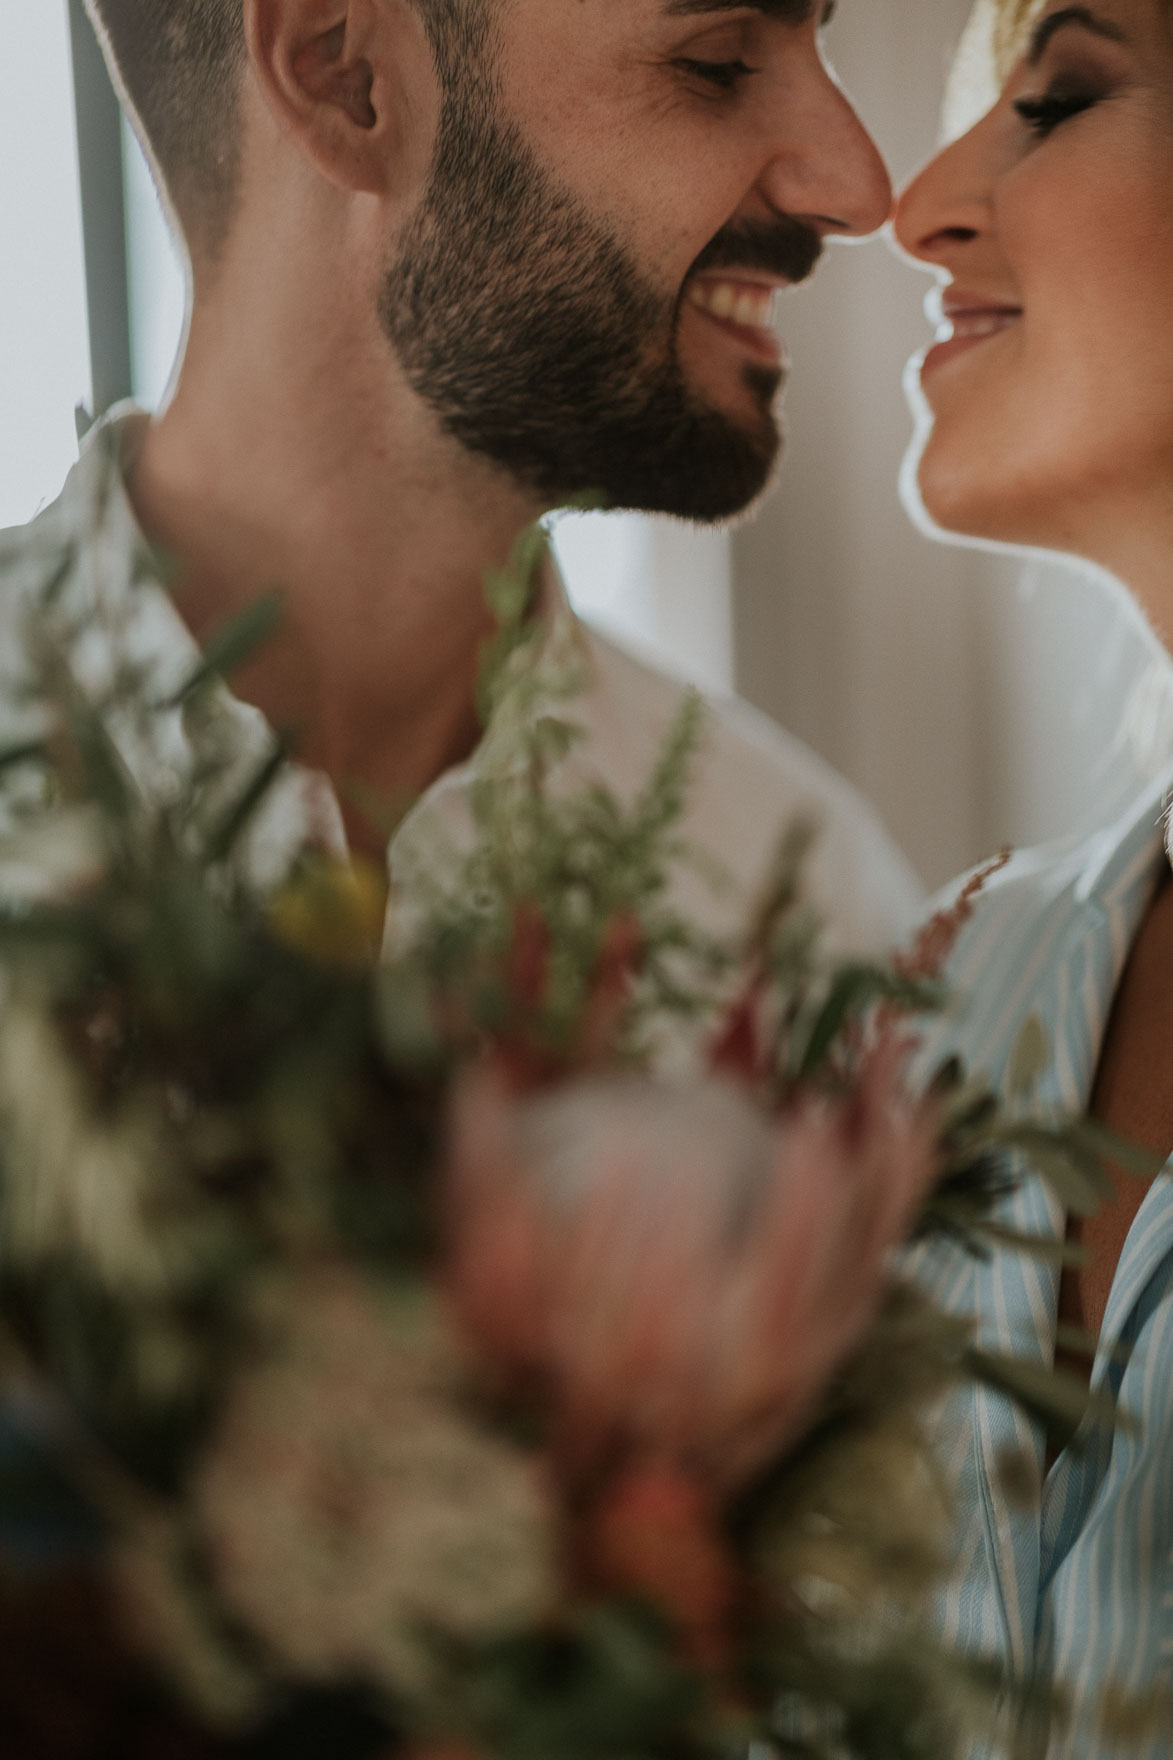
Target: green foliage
230, 647
204, 1090
610, 1683
171, 1019
518, 931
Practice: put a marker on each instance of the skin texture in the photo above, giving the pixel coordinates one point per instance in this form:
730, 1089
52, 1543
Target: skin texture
537, 339
1057, 430
305, 446
1133, 1094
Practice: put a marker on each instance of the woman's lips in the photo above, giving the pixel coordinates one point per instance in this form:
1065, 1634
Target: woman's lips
965, 327
744, 310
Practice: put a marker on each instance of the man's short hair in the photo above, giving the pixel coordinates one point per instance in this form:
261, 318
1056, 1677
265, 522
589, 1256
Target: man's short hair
179, 64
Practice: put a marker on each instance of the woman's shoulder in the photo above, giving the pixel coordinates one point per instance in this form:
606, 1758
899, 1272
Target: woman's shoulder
1044, 938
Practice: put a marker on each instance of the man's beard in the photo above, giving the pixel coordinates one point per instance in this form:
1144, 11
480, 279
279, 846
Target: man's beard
525, 325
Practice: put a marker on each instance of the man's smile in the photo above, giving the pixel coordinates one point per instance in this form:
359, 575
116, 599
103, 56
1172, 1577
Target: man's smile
745, 308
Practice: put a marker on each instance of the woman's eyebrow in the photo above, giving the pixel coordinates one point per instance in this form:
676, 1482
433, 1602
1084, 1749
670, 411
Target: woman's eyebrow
1070, 15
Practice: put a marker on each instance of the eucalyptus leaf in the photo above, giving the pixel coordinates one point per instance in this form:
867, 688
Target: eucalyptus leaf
1108, 1145
854, 990
58, 578
35, 751
1077, 1340
1079, 1182
232, 824
1043, 1248
231, 646
1059, 1400
1029, 1058
972, 1219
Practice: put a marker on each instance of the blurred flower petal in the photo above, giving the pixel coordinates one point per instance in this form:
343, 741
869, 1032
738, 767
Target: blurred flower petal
685, 1273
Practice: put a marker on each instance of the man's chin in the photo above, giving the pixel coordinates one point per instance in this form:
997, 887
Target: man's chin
678, 454
731, 472
741, 452
712, 485
711, 493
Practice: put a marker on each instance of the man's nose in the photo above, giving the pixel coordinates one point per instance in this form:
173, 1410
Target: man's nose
826, 169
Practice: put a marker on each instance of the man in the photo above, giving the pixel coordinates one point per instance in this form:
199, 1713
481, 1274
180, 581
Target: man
455, 262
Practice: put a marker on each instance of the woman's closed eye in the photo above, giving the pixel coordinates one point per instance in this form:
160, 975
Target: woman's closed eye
1050, 110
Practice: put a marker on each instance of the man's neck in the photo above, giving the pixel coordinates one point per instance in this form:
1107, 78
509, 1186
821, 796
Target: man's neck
377, 531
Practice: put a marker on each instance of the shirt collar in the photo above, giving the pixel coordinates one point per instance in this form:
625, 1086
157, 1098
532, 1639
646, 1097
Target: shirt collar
124, 577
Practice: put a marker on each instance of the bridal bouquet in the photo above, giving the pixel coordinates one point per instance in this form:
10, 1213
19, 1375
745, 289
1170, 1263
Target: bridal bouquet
389, 1361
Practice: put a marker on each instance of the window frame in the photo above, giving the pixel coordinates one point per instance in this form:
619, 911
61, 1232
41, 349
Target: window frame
103, 210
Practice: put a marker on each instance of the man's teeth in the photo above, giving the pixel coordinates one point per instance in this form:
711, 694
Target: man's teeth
735, 301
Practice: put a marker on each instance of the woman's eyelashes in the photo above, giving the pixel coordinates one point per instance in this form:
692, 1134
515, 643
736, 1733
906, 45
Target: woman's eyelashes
1050, 110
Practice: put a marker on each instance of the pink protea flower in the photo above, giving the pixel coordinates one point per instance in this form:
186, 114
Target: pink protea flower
655, 1532
678, 1271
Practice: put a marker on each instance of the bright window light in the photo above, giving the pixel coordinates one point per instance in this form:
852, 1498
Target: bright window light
607, 562
44, 337
157, 277
657, 583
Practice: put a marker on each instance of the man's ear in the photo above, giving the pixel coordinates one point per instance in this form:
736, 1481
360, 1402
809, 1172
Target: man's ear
333, 73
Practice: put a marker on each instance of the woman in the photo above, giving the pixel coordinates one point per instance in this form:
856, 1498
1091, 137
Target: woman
1048, 409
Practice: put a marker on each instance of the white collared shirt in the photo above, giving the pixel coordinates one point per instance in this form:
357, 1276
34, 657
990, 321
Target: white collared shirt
751, 778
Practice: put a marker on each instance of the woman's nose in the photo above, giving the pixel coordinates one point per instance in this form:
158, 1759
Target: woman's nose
945, 205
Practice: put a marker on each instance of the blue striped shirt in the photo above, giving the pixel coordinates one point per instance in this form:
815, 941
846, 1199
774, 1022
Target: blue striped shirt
1076, 1583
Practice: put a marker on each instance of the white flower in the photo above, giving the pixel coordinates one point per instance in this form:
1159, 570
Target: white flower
73, 1182
52, 857
351, 1504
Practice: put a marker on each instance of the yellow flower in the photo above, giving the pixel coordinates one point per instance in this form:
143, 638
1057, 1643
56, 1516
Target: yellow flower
332, 911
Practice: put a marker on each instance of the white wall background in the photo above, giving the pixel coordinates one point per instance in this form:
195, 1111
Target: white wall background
974, 707
662, 583
44, 343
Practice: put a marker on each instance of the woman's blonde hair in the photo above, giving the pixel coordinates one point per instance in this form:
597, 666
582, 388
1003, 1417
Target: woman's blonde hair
992, 42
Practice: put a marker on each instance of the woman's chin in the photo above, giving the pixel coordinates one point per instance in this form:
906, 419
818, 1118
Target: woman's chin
941, 482
953, 497
931, 498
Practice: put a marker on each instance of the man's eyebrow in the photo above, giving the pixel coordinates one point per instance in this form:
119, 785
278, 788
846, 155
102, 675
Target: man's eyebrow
786, 11
1070, 15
